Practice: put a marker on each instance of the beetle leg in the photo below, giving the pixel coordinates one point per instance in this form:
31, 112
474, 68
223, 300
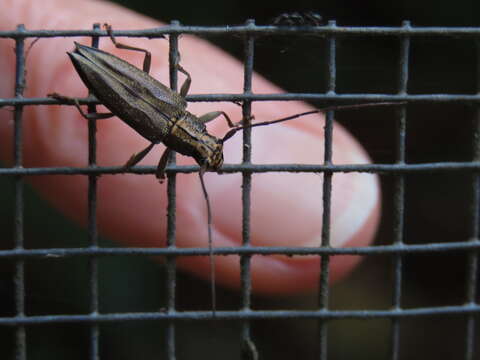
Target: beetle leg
162, 164
136, 158
148, 56
213, 115
186, 84
88, 116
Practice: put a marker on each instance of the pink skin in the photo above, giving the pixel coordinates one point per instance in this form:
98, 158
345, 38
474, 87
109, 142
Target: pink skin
286, 208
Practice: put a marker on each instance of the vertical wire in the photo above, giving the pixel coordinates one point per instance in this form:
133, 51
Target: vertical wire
472, 257
171, 263
248, 346
92, 223
327, 199
399, 194
19, 275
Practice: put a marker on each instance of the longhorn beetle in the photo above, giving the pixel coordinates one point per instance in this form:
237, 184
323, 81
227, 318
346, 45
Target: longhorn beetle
158, 113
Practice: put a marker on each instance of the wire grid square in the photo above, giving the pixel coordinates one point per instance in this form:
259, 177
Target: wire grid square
398, 249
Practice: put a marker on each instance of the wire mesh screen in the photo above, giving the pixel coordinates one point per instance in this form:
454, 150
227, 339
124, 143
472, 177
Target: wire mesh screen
96, 322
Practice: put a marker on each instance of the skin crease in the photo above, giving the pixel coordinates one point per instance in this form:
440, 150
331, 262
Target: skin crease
286, 208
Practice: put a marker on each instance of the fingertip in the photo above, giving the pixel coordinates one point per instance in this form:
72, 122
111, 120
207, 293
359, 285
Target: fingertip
287, 209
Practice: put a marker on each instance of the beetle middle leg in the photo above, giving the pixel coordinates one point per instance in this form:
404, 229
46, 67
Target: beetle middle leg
162, 164
213, 115
208, 116
186, 84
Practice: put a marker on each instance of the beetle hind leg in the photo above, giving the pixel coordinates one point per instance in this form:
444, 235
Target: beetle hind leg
148, 56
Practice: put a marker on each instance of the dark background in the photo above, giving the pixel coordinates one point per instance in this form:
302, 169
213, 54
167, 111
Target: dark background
437, 205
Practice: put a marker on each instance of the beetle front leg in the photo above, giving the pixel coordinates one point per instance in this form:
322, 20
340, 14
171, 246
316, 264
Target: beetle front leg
88, 116
148, 56
136, 158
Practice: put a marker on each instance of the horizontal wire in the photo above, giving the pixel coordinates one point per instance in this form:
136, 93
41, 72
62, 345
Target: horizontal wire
385, 169
331, 98
258, 30
433, 248
243, 315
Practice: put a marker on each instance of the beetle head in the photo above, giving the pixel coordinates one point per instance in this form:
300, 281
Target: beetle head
210, 154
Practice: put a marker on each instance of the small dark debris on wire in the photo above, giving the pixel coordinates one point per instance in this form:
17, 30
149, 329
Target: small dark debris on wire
308, 18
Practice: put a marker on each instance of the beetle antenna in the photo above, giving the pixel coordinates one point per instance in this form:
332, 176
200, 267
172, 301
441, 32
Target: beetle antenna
210, 242
233, 131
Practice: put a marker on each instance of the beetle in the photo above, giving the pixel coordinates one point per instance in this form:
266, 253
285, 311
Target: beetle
155, 111
149, 107
158, 113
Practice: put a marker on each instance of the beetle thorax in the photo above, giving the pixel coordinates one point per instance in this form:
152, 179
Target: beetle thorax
189, 136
